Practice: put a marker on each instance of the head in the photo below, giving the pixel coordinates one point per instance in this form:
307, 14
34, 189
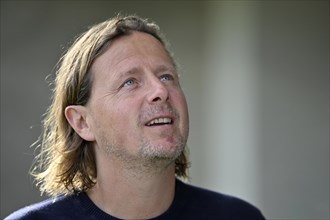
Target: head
78, 118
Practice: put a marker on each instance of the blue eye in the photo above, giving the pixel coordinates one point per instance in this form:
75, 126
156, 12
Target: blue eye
166, 77
129, 82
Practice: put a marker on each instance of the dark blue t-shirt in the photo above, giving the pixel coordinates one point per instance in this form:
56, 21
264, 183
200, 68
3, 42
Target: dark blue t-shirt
190, 202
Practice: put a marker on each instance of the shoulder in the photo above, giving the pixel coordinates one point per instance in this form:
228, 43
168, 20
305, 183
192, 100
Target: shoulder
206, 203
52, 208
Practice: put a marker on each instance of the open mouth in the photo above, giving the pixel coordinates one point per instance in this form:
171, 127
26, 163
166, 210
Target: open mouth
159, 121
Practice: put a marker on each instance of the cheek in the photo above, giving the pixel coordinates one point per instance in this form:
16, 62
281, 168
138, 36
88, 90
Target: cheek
181, 102
181, 106
105, 119
123, 119
111, 128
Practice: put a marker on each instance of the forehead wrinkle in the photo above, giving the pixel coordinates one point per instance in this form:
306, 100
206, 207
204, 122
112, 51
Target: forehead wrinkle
122, 64
129, 72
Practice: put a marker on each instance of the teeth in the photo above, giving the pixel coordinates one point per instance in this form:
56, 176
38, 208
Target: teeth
160, 121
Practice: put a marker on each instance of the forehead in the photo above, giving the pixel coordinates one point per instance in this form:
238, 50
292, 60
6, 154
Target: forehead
131, 50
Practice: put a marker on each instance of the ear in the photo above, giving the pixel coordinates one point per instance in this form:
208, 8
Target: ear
76, 116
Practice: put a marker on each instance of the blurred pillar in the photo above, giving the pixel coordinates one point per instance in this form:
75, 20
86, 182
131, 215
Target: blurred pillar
230, 100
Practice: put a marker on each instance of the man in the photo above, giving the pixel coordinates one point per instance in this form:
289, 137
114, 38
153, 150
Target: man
114, 136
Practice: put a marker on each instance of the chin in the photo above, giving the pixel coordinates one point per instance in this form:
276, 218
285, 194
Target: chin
162, 151
169, 148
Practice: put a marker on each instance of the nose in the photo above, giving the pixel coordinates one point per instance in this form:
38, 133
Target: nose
157, 91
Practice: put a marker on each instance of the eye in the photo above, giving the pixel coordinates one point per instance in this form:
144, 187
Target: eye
128, 82
166, 77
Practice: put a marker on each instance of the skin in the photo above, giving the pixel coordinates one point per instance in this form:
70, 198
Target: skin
134, 82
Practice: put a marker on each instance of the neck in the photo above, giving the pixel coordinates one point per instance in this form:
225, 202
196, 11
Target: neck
135, 192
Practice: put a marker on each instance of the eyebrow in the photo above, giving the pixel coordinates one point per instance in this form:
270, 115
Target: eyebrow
135, 70
129, 72
164, 68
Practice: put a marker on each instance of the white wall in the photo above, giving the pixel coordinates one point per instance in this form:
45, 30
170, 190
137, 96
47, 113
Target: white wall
256, 77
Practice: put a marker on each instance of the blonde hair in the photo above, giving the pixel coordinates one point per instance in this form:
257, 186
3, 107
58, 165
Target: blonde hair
66, 162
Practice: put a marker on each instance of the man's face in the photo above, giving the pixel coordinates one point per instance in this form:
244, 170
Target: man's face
137, 108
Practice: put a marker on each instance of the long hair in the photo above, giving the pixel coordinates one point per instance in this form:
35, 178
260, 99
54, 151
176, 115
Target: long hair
66, 162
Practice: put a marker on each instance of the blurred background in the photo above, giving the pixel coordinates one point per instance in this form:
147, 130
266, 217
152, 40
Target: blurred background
256, 78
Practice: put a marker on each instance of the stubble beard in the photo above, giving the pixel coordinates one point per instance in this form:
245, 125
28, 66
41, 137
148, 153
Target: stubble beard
150, 158
157, 152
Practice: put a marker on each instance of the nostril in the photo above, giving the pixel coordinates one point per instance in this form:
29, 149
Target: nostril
159, 95
156, 99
